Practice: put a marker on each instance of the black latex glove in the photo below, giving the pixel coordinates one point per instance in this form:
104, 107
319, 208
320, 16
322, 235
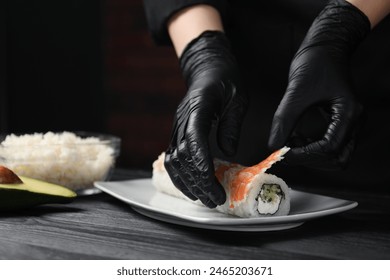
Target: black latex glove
319, 77
214, 94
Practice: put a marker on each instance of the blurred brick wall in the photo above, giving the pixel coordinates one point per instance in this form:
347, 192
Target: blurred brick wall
143, 84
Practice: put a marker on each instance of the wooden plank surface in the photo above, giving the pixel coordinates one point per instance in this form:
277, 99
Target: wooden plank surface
101, 227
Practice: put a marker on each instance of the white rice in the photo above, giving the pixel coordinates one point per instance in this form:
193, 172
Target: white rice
61, 158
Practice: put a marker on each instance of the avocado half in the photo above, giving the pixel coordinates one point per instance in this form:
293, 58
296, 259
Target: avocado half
32, 192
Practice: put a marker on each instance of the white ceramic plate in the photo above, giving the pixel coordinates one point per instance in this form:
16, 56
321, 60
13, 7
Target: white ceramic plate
145, 199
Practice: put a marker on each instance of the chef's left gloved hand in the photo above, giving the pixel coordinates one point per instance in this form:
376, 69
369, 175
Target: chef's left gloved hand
319, 77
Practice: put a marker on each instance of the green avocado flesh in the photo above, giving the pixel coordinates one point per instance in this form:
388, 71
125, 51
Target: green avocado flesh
32, 192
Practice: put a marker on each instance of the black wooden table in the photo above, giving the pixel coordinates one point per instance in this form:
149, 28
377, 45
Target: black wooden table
102, 227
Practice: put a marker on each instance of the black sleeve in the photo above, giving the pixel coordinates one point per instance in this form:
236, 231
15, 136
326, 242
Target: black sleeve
158, 13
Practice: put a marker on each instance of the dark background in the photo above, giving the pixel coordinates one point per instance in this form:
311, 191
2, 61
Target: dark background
88, 65
92, 65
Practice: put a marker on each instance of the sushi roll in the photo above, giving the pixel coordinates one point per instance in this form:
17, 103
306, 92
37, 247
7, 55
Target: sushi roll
250, 191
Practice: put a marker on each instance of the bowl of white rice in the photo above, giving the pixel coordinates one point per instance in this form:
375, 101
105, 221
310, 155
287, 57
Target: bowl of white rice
71, 159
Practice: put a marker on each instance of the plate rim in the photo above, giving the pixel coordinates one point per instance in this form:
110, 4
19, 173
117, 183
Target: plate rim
236, 228
234, 221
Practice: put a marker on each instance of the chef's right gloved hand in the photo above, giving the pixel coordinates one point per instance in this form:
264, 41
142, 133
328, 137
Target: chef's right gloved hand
319, 76
214, 95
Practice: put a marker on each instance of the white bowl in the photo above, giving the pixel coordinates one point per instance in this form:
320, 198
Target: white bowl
71, 159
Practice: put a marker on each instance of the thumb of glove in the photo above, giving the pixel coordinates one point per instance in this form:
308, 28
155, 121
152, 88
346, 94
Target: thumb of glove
229, 125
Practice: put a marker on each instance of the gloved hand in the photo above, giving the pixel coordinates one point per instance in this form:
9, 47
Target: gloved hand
319, 77
214, 94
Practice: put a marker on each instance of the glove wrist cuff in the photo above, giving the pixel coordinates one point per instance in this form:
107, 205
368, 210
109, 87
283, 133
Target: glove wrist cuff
341, 24
209, 49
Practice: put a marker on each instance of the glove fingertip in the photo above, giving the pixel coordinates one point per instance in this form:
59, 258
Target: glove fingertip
219, 197
228, 146
275, 143
277, 138
294, 156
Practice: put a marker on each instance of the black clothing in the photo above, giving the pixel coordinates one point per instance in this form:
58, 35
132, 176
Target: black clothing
159, 12
264, 37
